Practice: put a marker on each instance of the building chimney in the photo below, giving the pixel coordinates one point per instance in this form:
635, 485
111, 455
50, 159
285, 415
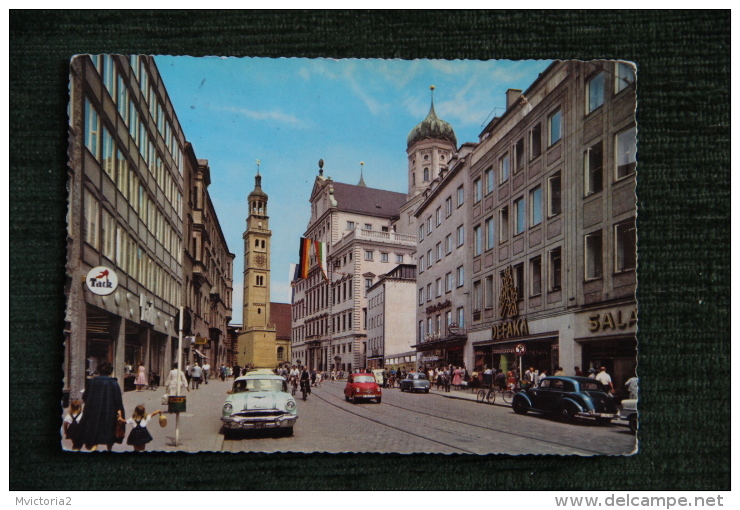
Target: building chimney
512, 96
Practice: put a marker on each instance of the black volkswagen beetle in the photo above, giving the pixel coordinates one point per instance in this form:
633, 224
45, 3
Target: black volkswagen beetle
568, 398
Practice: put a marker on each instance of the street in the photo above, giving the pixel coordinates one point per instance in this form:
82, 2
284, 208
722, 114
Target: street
436, 422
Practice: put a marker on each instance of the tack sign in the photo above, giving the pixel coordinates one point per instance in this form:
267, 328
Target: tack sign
101, 280
520, 349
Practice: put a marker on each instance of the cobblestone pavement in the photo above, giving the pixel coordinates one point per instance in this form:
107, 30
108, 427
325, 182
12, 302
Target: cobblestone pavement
436, 422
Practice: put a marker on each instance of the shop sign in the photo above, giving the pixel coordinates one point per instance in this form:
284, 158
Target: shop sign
429, 358
201, 340
101, 280
510, 329
609, 320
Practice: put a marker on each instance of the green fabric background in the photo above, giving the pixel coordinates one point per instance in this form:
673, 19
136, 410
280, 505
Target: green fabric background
683, 61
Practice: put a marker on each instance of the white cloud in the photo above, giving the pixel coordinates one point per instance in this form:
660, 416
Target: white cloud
274, 115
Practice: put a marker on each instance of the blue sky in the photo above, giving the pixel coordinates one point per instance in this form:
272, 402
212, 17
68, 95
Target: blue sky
289, 113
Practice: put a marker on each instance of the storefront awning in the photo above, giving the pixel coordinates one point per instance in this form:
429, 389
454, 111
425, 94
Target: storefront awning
439, 344
200, 354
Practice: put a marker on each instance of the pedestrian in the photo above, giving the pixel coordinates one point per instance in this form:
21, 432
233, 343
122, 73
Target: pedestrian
511, 379
71, 424
456, 377
605, 380
631, 385
333, 375
188, 373
223, 373
559, 371
236, 371
530, 378
541, 376
313, 377
446, 379
578, 371
141, 381
196, 372
171, 381
206, 371
591, 373
500, 379
318, 379
103, 402
139, 435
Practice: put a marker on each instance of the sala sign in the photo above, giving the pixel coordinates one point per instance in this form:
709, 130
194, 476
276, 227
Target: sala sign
598, 322
509, 307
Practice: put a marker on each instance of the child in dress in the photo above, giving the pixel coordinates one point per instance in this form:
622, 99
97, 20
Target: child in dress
71, 424
139, 435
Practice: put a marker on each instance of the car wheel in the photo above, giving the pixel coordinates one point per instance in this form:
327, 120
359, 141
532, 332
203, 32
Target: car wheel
287, 432
378, 400
354, 400
520, 406
603, 421
426, 390
633, 424
481, 396
566, 414
228, 434
346, 398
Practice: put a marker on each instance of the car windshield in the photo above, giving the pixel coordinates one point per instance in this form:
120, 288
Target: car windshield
418, 377
591, 386
364, 379
259, 385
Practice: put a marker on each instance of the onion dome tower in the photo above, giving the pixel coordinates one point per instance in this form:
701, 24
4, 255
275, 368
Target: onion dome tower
429, 145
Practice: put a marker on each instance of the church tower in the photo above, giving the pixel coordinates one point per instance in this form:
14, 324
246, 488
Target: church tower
257, 342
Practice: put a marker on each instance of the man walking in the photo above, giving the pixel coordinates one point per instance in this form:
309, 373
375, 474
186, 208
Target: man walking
530, 378
195, 374
606, 381
206, 371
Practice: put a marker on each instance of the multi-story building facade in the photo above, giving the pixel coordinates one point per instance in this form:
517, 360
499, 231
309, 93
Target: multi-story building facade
329, 311
125, 227
280, 316
390, 335
443, 282
208, 267
552, 225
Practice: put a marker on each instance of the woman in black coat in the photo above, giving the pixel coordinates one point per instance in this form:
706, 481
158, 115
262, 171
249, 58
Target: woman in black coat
103, 402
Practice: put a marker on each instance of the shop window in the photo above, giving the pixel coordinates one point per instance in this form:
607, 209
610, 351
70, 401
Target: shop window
625, 245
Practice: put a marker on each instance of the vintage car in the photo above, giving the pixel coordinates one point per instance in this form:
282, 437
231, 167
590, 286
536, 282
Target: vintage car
362, 387
258, 401
415, 381
629, 413
568, 398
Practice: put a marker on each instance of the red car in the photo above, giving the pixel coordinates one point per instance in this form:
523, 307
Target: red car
362, 387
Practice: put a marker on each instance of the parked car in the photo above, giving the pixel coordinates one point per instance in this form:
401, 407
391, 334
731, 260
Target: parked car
568, 398
362, 387
629, 413
259, 400
415, 381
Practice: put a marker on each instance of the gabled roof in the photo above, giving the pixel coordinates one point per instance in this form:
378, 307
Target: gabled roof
370, 201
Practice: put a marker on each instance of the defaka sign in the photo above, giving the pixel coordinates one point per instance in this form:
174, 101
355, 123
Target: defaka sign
101, 280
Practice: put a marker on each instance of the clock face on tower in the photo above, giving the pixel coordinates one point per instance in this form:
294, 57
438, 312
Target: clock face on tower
260, 260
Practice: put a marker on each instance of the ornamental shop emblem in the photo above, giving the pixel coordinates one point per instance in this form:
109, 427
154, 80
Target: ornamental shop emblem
101, 280
508, 300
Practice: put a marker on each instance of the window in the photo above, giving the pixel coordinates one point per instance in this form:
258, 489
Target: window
461, 317
421, 264
448, 207
477, 298
384, 257
460, 196
421, 232
382, 229
399, 258
448, 282
368, 226
519, 155
108, 235
593, 255
260, 281
350, 225
429, 258
535, 141
504, 167
109, 160
555, 269
438, 215
368, 255
426, 174
448, 244
593, 169
625, 244
477, 190
477, 240
535, 204
368, 283
489, 180
421, 331
554, 128
535, 271
490, 233
429, 291
553, 195
504, 224
92, 130
626, 150
429, 225
92, 213
439, 251
460, 235
488, 292
625, 75
519, 281
421, 296
519, 216
438, 286
595, 92
460, 276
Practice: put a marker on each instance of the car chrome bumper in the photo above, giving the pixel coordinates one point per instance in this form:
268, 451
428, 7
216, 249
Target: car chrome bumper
611, 416
259, 422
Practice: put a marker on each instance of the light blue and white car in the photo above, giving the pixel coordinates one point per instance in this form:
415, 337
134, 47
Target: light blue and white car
259, 400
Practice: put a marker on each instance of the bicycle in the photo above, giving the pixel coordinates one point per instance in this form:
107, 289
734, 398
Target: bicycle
293, 386
486, 394
305, 389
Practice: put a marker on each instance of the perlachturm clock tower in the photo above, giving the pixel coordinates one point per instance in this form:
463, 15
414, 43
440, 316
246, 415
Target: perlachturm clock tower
257, 342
